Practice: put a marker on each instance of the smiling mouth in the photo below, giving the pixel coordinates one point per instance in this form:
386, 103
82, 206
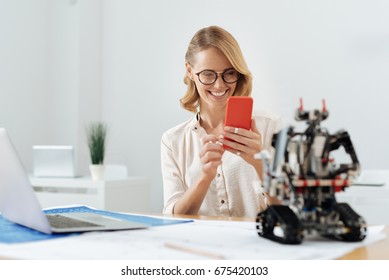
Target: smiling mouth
218, 94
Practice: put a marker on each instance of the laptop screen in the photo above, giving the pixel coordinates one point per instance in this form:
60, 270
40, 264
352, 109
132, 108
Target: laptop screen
18, 202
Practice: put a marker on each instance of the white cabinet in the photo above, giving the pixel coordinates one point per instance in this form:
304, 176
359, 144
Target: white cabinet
129, 195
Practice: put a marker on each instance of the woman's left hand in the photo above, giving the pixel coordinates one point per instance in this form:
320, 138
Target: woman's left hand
245, 143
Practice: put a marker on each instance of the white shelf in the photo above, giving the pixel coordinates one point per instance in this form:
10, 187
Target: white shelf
128, 195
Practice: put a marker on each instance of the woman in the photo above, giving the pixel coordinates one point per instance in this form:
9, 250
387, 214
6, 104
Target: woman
199, 175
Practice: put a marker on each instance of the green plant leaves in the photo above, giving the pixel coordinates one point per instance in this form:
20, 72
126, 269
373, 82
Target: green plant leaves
96, 133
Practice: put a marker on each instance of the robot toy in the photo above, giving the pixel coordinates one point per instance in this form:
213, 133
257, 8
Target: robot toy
304, 178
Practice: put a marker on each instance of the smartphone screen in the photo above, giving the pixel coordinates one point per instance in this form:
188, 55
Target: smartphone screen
239, 112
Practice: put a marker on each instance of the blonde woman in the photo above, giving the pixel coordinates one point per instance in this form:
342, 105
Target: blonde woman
199, 175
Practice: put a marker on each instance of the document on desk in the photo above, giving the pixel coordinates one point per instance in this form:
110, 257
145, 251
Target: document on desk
200, 239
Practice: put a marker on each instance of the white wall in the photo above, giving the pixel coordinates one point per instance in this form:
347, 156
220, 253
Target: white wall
337, 50
131, 71
23, 72
50, 83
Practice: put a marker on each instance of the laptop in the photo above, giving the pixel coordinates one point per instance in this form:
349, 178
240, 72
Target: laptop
53, 161
19, 204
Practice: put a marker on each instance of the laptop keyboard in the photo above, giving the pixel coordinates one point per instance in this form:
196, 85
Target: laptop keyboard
60, 221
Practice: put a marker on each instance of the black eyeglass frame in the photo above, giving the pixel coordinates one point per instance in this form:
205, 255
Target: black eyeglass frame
217, 76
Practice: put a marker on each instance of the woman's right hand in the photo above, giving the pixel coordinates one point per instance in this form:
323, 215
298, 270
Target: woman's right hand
211, 156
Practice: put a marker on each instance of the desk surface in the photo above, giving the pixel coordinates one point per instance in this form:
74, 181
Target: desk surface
375, 251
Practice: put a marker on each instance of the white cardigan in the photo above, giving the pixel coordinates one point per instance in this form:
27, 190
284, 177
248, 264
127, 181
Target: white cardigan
236, 190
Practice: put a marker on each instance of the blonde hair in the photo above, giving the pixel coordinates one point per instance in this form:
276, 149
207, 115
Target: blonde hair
214, 36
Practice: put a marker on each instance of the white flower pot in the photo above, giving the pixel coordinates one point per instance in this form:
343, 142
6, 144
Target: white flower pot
97, 171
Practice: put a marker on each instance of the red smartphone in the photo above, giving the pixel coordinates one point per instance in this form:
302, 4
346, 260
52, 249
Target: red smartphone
239, 112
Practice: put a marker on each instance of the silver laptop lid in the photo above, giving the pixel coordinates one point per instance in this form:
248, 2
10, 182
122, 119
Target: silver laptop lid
18, 202
53, 161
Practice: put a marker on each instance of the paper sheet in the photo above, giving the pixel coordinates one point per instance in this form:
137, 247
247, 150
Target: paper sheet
232, 240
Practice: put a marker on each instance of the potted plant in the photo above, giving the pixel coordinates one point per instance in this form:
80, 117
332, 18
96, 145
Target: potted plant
96, 133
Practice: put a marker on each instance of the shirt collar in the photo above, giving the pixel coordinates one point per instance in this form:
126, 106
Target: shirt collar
196, 122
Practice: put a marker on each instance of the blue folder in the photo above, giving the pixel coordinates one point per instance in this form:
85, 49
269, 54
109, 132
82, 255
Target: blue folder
14, 233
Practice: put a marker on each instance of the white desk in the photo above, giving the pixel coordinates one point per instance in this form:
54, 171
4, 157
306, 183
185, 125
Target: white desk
129, 195
202, 239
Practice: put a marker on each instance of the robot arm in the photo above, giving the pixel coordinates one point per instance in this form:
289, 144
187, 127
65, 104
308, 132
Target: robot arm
342, 138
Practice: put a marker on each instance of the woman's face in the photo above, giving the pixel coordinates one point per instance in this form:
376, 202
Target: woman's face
213, 96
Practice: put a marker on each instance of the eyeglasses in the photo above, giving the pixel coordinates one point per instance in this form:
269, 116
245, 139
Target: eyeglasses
209, 77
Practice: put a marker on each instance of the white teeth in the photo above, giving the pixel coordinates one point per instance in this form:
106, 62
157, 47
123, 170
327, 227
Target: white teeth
218, 93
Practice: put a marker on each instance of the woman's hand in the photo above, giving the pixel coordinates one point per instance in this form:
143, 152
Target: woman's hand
211, 156
245, 143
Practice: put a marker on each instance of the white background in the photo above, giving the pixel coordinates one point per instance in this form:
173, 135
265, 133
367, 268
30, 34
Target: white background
108, 269
66, 62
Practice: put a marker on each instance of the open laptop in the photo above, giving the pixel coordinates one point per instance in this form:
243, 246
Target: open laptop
19, 204
53, 161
